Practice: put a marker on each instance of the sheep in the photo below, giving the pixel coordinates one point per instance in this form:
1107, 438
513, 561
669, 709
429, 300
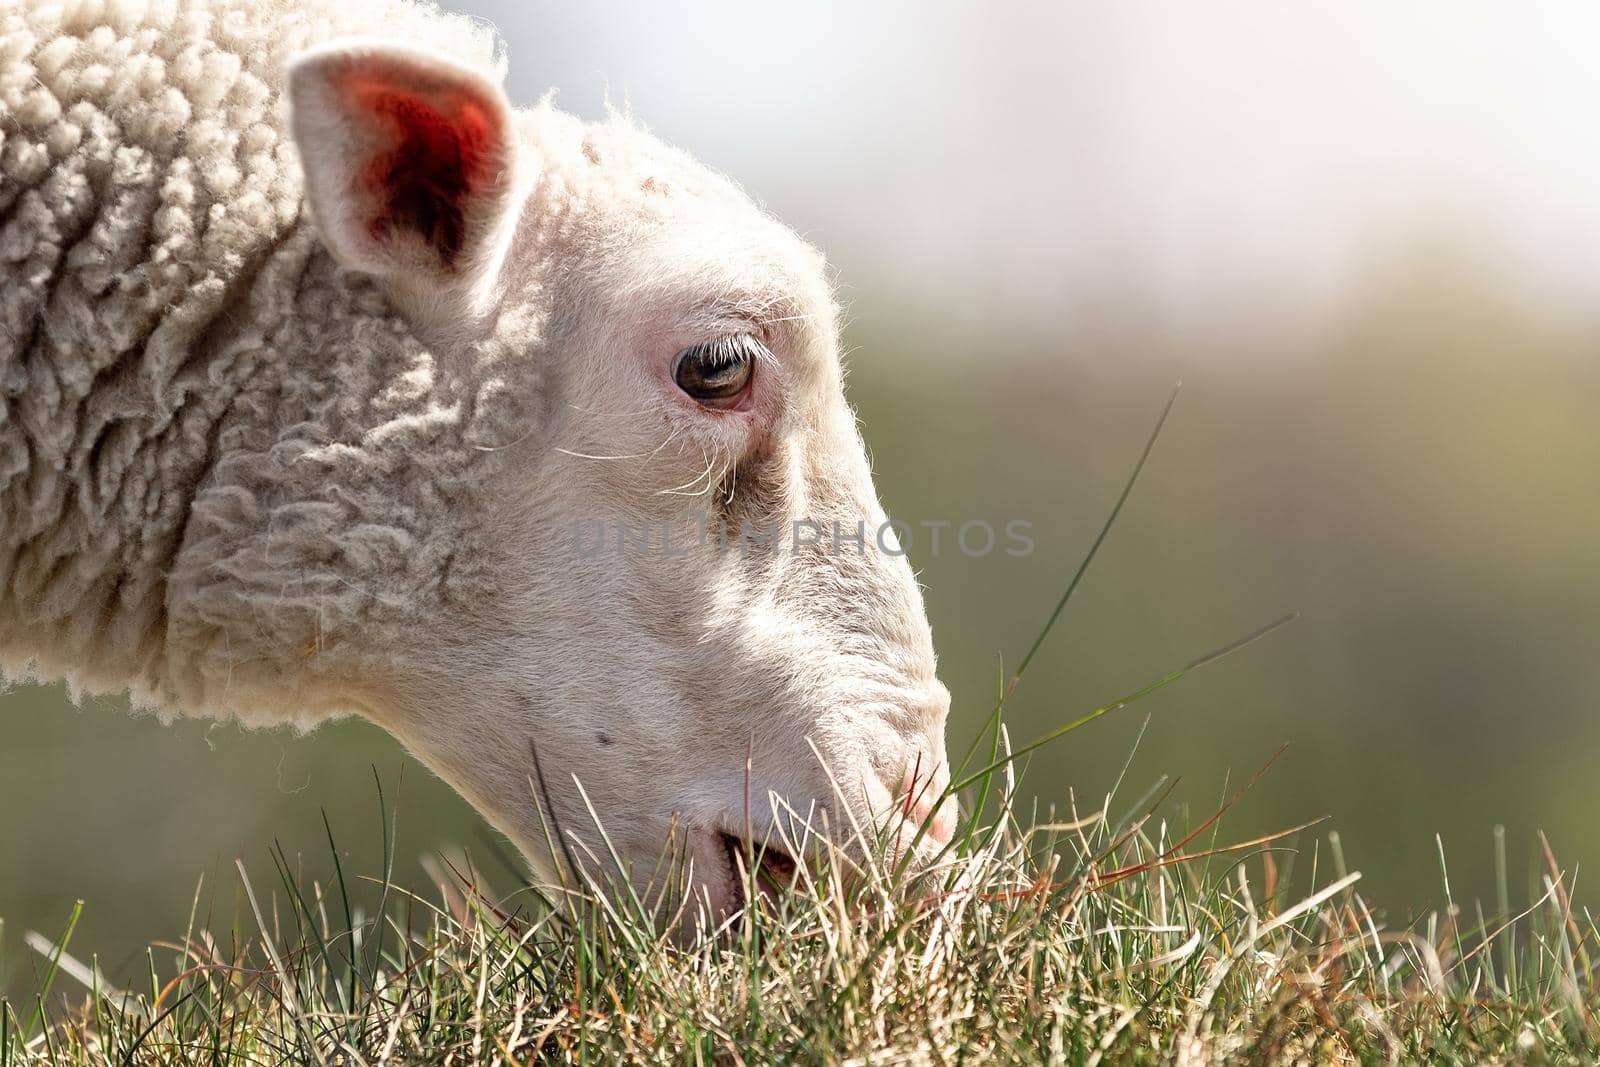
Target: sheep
315, 354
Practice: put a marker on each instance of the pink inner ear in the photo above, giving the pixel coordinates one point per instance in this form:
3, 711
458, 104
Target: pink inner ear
441, 150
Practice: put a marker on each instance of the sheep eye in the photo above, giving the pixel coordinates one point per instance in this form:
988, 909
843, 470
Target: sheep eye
716, 373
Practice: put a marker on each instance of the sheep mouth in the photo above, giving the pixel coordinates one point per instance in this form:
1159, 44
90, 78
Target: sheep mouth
774, 869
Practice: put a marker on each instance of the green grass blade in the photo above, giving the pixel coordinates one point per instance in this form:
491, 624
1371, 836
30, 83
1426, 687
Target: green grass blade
1123, 701
50, 972
1105, 530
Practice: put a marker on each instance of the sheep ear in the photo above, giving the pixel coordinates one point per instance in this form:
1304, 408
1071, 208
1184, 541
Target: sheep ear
409, 164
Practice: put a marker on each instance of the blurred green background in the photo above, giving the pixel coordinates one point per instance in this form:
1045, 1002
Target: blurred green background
1387, 424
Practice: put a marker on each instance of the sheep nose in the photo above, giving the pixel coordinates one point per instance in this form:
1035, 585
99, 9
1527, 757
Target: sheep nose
923, 801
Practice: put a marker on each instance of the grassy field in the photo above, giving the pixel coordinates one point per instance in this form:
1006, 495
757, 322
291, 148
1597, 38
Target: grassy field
1093, 935
1100, 932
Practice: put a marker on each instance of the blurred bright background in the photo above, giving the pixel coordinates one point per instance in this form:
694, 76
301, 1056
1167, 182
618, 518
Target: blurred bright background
1366, 236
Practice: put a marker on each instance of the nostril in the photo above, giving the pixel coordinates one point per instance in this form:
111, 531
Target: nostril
920, 795
941, 824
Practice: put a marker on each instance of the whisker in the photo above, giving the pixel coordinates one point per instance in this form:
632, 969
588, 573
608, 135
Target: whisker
585, 455
509, 444
636, 455
708, 473
683, 490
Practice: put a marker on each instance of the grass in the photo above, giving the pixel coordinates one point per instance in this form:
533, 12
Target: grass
1100, 933
1098, 936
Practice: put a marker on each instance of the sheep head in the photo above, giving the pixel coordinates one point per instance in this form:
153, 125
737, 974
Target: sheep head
676, 614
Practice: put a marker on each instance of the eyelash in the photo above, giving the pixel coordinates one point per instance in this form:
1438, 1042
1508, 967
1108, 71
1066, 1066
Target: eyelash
718, 373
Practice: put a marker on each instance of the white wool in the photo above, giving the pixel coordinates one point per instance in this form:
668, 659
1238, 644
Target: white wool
145, 182
239, 479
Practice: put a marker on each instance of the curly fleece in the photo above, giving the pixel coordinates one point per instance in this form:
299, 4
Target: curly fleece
178, 443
